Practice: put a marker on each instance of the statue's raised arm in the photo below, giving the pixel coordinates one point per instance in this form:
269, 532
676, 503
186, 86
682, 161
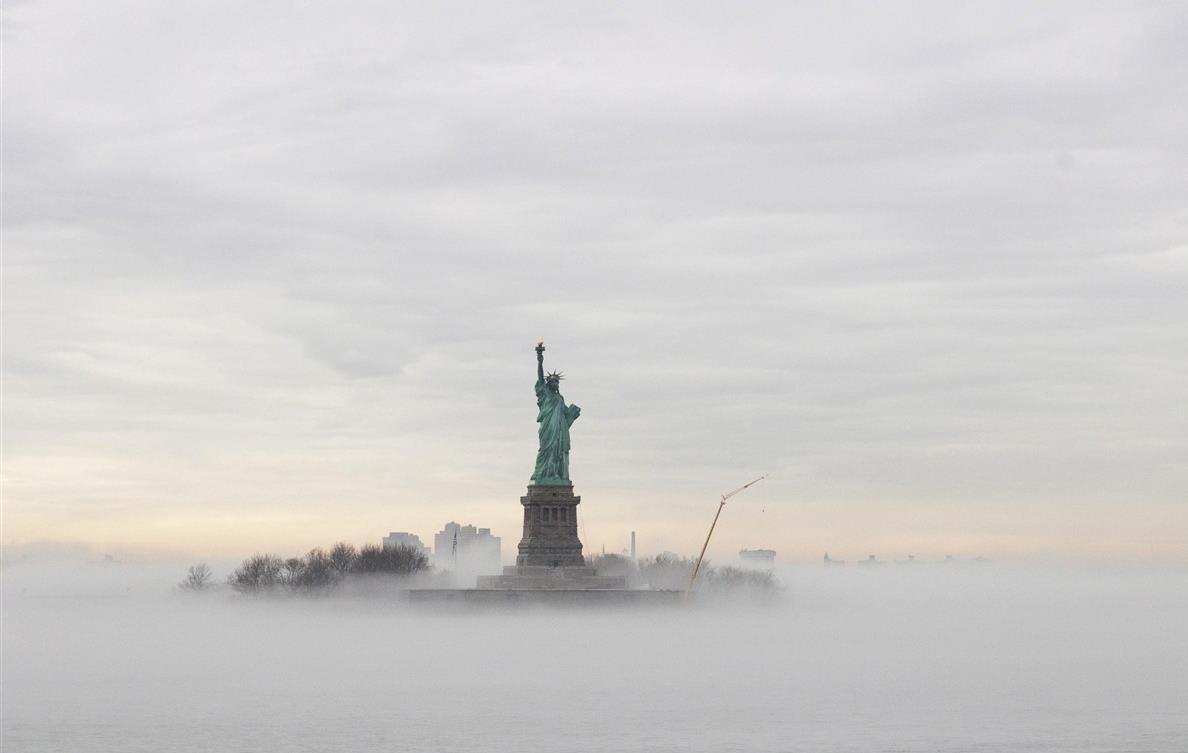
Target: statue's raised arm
555, 418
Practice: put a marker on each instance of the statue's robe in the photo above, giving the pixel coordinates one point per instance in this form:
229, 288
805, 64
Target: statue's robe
555, 418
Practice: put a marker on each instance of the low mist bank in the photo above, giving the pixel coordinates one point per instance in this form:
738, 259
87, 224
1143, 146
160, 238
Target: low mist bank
988, 658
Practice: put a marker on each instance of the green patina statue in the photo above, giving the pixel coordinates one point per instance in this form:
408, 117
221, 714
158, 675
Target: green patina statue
555, 418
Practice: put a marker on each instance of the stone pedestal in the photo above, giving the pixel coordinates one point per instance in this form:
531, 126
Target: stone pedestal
550, 557
550, 528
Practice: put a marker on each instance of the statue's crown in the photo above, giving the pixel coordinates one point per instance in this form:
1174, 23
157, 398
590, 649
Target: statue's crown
555, 376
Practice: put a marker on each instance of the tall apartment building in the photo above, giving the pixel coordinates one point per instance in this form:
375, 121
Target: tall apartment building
467, 551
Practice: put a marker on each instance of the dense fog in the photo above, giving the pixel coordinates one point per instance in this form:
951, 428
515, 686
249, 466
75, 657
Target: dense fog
973, 656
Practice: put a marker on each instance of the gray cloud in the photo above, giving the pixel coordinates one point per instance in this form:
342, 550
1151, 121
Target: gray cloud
917, 254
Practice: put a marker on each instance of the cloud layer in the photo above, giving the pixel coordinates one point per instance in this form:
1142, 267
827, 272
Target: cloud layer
273, 275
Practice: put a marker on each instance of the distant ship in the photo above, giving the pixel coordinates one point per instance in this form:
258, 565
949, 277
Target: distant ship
758, 556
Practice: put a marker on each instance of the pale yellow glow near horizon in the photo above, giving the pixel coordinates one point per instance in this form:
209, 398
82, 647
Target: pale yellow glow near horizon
797, 534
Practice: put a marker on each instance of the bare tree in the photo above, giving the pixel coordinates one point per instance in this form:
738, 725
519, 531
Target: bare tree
197, 578
611, 564
669, 572
342, 557
316, 572
259, 572
292, 571
398, 560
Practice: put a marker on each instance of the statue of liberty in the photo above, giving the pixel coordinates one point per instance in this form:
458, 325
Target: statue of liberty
555, 418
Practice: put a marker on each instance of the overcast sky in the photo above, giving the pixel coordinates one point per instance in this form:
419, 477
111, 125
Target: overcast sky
273, 273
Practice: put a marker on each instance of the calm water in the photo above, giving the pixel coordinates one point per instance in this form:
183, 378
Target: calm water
921, 658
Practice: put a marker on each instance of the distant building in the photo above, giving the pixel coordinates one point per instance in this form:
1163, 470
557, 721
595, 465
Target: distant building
758, 556
467, 551
400, 538
830, 561
870, 560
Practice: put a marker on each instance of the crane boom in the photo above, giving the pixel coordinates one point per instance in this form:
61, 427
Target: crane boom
721, 504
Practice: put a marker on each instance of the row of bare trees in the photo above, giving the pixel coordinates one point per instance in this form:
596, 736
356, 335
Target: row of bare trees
319, 570
670, 572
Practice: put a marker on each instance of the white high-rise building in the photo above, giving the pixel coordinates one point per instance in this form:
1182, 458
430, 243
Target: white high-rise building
401, 538
467, 551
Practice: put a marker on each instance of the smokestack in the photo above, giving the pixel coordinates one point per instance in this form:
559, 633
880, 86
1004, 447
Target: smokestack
633, 546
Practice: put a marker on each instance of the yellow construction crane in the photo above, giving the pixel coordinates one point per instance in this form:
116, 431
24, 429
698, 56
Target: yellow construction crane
721, 504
